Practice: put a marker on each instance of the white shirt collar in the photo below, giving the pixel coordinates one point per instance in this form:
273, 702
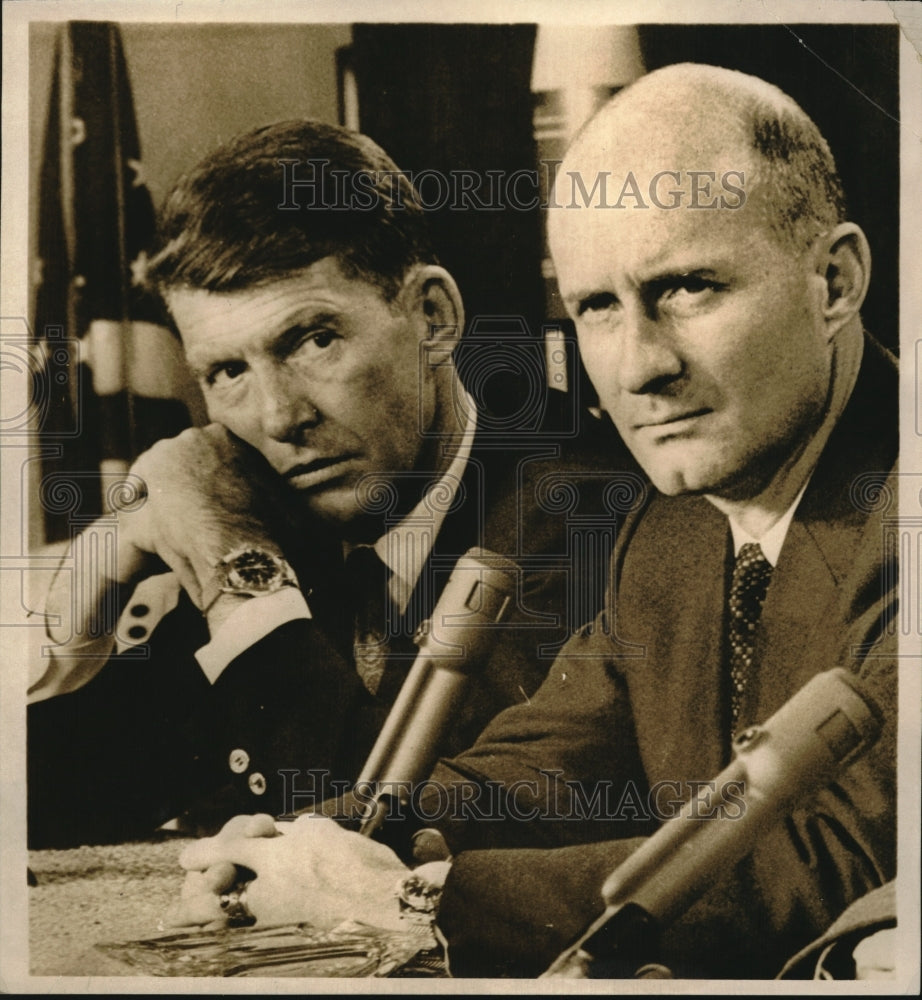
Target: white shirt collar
405, 548
773, 539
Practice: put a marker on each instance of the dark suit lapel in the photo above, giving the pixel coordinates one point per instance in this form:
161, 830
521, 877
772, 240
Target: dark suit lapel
671, 600
801, 596
822, 542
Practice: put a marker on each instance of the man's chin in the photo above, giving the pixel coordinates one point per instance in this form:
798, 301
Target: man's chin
685, 480
336, 504
339, 510
728, 484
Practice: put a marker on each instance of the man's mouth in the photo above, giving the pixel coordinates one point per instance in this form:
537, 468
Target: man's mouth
672, 423
306, 475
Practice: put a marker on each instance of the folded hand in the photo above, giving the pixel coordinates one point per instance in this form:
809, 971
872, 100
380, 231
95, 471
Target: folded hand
309, 871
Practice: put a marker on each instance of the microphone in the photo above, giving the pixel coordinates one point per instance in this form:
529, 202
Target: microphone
454, 644
825, 726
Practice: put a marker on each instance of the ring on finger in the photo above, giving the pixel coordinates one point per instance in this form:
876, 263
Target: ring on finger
234, 906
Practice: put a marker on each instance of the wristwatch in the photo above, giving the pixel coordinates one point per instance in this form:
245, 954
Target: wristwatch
250, 571
420, 892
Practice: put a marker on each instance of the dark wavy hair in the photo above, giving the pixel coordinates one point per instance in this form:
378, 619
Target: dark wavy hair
277, 199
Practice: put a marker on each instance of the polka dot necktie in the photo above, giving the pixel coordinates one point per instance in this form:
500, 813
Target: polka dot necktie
367, 579
751, 576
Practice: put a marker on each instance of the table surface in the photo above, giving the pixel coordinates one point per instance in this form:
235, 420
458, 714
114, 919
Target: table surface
91, 895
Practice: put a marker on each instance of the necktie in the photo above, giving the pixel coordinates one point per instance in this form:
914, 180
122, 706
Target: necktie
751, 576
367, 579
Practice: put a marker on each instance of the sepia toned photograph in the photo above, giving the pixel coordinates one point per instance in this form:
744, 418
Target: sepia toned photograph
461, 497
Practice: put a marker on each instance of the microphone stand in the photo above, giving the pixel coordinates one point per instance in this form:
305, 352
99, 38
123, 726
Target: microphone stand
453, 646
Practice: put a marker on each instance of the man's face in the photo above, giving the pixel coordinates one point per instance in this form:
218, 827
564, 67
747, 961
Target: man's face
703, 336
318, 373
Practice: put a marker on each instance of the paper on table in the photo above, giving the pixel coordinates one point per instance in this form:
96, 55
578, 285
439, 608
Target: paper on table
349, 950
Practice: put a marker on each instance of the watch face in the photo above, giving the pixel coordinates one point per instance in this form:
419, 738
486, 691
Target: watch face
253, 569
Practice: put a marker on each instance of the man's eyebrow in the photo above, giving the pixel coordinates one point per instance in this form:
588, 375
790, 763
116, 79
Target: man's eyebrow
292, 326
297, 326
672, 276
307, 320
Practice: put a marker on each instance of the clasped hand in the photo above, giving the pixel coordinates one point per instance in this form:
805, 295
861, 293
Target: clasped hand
307, 871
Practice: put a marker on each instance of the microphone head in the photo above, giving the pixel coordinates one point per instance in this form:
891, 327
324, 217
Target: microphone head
472, 609
491, 561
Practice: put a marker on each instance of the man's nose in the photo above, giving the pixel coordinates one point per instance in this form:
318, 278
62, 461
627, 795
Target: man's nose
648, 360
286, 407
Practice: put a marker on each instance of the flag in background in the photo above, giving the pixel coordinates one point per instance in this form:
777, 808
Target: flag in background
113, 379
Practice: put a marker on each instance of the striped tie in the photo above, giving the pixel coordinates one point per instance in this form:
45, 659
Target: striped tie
367, 578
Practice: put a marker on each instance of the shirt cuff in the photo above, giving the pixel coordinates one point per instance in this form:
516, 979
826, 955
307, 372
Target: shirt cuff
246, 625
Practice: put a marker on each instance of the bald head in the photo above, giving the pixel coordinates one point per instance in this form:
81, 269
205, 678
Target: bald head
691, 117
709, 278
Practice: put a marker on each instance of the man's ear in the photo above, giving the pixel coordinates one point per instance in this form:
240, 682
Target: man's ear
435, 298
843, 264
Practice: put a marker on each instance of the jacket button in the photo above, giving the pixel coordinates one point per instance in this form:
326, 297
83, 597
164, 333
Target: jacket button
257, 783
239, 761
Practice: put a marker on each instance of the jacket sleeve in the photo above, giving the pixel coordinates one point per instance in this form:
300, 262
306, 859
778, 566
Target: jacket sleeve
149, 739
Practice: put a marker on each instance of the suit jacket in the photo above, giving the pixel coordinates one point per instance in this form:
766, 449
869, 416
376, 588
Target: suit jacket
833, 953
646, 701
149, 738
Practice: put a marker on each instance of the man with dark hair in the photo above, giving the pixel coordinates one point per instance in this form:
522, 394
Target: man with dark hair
276, 200
297, 268
726, 343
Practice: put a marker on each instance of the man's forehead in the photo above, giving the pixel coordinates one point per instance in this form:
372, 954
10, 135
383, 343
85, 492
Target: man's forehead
645, 145
202, 315
325, 277
592, 245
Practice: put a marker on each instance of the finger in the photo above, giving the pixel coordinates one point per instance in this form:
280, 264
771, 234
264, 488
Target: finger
191, 856
242, 851
260, 825
218, 878
238, 825
217, 434
204, 908
235, 827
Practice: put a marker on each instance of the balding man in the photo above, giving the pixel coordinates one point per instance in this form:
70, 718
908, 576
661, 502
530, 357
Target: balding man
717, 310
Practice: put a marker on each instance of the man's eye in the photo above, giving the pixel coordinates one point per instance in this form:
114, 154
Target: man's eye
308, 338
596, 303
223, 375
322, 338
685, 295
688, 285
